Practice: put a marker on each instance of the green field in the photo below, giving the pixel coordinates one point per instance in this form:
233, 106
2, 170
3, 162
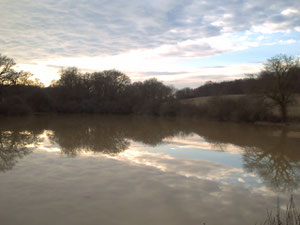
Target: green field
294, 110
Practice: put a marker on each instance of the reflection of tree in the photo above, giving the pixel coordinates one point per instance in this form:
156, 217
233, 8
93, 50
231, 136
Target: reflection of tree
76, 134
219, 146
13, 147
77, 137
109, 134
272, 157
274, 164
152, 131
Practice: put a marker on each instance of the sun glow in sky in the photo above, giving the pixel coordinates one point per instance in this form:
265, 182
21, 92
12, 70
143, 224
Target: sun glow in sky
181, 42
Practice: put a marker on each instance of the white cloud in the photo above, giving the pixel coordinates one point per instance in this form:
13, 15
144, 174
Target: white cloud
289, 11
47, 28
290, 41
135, 36
143, 64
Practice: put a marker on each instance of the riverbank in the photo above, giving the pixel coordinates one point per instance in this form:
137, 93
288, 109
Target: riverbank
30, 100
252, 103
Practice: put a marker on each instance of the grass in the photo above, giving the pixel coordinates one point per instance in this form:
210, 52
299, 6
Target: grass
203, 100
291, 217
293, 110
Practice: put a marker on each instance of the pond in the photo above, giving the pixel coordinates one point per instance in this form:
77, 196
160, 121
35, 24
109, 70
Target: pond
134, 170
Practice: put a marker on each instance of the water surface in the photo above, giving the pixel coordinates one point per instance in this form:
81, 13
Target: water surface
143, 170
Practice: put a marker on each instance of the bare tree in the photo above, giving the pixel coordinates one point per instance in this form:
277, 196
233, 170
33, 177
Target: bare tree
278, 74
9, 76
6, 65
18, 77
109, 84
70, 77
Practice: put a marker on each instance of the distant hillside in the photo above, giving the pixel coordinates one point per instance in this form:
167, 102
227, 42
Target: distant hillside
248, 85
294, 109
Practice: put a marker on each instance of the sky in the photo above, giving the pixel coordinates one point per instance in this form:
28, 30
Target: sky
183, 43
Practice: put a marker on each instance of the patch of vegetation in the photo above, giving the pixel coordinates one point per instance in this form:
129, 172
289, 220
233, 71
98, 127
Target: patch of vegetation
291, 217
254, 98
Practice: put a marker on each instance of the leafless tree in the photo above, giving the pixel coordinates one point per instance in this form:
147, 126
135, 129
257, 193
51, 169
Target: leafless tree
9, 76
6, 65
279, 71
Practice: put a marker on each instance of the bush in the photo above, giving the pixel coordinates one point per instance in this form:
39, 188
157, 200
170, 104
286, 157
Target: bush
239, 109
39, 101
14, 106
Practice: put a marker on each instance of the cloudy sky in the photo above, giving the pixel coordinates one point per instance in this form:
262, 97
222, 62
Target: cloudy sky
181, 42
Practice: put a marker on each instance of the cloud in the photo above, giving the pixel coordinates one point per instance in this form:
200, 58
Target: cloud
193, 50
144, 65
162, 73
198, 80
141, 38
55, 66
290, 41
45, 29
289, 11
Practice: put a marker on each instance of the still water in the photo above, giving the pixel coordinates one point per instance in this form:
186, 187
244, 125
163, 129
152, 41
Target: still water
126, 170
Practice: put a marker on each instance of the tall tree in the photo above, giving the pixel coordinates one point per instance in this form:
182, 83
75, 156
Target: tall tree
6, 65
109, 84
278, 86
69, 78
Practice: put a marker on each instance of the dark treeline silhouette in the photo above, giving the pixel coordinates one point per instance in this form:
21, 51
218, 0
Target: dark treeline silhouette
252, 84
112, 92
278, 83
108, 91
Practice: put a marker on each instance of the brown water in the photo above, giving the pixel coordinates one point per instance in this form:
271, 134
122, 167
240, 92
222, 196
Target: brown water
140, 170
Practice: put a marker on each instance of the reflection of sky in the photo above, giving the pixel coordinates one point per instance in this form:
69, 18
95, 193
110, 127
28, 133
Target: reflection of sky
196, 148
189, 156
46, 189
185, 164
182, 181
224, 158
46, 144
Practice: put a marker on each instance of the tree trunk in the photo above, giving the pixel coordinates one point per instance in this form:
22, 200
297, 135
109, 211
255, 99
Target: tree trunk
283, 111
1, 98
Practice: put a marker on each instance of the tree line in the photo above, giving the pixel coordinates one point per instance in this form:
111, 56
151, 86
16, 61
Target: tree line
108, 91
112, 92
278, 82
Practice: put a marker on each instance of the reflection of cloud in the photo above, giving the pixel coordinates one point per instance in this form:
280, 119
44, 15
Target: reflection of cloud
92, 190
197, 142
142, 185
45, 143
200, 169
188, 167
137, 154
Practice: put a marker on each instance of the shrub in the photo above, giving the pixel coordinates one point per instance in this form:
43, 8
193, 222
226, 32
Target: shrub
239, 109
14, 106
